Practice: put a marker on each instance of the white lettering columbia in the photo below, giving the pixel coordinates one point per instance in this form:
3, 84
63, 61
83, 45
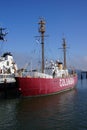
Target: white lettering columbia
66, 81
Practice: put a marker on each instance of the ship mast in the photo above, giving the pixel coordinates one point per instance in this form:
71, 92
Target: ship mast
42, 31
64, 51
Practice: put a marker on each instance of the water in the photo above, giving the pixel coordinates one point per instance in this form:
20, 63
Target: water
65, 111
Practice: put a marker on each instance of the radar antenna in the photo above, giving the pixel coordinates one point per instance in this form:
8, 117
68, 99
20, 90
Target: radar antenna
2, 34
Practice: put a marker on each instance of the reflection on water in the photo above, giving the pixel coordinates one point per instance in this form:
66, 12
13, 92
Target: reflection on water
46, 112
65, 111
7, 114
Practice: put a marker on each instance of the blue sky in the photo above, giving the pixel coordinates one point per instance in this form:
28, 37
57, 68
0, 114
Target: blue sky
66, 18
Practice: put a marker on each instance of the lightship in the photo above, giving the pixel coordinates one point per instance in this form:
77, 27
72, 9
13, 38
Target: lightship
41, 83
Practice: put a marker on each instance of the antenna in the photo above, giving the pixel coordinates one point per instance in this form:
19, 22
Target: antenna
2, 34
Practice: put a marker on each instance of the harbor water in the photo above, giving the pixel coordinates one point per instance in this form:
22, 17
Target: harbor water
65, 111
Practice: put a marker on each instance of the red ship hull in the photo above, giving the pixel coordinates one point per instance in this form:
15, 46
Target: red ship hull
45, 86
